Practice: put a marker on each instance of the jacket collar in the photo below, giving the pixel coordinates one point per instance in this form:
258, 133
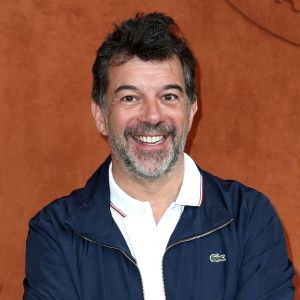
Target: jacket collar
92, 218
211, 215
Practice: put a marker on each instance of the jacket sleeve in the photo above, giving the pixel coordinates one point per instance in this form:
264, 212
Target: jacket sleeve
266, 272
47, 275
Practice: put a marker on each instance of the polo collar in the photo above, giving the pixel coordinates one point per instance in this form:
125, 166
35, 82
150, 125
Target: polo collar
190, 193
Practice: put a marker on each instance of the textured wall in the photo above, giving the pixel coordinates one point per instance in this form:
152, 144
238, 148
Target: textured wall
248, 127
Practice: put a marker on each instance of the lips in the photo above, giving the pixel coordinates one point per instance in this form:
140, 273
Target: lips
149, 140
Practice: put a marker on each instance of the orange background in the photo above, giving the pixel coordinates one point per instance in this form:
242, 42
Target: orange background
247, 129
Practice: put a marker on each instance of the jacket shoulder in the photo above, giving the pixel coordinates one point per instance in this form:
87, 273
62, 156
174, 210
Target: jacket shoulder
242, 201
58, 210
78, 200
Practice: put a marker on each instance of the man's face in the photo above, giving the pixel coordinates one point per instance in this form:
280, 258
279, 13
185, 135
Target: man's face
148, 116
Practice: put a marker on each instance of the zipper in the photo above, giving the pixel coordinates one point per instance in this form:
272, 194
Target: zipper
115, 248
179, 242
201, 235
191, 239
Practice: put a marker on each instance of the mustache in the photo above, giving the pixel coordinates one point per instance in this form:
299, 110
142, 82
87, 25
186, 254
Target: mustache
148, 128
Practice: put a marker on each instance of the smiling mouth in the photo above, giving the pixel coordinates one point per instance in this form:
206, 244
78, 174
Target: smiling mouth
149, 140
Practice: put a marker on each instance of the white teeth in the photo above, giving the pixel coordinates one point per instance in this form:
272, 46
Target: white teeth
150, 139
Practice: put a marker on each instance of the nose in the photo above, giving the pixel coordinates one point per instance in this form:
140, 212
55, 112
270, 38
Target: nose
151, 111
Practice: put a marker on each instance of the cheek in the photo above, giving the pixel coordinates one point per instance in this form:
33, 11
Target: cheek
180, 119
127, 118
118, 122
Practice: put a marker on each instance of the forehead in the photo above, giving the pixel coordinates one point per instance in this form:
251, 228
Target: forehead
146, 74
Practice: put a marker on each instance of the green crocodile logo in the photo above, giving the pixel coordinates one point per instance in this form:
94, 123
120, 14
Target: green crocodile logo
216, 257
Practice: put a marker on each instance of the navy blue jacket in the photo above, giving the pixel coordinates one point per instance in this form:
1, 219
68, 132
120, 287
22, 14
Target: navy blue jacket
232, 247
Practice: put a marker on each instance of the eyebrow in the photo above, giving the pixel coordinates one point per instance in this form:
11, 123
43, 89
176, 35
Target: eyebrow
173, 87
164, 88
126, 87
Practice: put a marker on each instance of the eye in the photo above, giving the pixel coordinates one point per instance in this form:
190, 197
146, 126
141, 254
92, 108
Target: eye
169, 97
128, 99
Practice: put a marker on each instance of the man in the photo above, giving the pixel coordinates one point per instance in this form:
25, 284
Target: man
149, 224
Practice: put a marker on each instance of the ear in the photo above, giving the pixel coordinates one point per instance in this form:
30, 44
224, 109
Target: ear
99, 118
193, 110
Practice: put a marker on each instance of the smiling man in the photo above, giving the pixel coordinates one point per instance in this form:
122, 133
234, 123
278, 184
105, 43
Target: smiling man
150, 224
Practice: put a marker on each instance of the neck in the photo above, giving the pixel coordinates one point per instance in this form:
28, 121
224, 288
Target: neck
160, 192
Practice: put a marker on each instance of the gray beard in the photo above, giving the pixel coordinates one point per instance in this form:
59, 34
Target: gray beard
145, 165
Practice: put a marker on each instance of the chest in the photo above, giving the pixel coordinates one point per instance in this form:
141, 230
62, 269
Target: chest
202, 267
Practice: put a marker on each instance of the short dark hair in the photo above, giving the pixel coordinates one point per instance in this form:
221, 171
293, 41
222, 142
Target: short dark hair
154, 36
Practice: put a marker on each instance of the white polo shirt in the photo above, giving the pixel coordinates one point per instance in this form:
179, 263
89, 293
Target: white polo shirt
147, 240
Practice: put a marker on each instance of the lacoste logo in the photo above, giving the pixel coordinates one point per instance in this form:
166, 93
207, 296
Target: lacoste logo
216, 257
